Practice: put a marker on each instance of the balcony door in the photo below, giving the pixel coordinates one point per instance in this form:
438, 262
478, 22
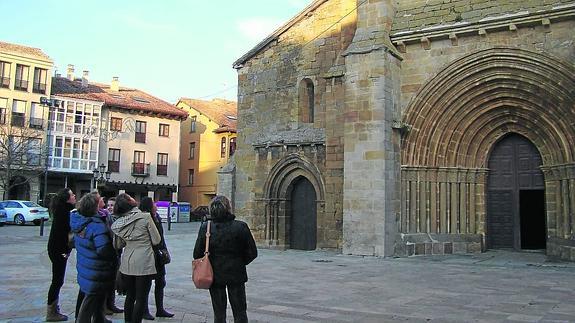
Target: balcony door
139, 162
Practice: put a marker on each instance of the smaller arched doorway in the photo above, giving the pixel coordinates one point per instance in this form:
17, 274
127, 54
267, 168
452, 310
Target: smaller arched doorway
303, 215
515, 196
19, 189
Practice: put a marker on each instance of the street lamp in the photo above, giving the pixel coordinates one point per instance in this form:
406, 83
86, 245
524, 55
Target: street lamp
101, 175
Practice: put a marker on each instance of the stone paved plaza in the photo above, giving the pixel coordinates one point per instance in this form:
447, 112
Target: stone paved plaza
322, 286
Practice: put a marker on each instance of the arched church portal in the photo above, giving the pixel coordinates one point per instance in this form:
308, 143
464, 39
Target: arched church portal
294, 200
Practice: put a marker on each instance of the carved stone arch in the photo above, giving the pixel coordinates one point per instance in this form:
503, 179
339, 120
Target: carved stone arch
480, 97
457, 118
277, 190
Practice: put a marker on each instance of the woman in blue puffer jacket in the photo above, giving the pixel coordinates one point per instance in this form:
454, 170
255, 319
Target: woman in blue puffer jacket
96, 258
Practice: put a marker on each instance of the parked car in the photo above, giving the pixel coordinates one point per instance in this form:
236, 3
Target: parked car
3, 216
21, 212
200, 213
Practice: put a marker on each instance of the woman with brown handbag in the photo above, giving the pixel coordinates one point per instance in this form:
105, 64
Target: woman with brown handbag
231, 249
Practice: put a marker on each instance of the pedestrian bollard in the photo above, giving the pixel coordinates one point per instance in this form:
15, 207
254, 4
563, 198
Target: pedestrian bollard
169, 222
42, 227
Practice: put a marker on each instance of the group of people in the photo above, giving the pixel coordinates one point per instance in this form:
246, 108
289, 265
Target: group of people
113, 241
121, 241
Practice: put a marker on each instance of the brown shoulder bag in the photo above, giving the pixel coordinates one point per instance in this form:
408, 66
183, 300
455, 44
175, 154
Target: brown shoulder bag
202, 273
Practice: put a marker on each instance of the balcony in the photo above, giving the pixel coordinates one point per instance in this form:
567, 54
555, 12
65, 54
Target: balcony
39, 88
18, 119
114, 166
21, 85
141, 137
36, 123
2, 116
5, 82
140, 169
162, 170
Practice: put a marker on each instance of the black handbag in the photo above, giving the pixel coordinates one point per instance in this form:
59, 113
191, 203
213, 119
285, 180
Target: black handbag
163, 256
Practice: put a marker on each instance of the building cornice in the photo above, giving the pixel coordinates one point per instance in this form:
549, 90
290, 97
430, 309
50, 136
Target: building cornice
508, 22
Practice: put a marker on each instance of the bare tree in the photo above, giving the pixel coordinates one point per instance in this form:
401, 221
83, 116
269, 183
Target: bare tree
22, 154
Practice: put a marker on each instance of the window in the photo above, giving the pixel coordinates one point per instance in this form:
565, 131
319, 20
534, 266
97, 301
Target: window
114, 160
191, 177
223, 148
193, 124
162, 164
4, 74
115, 124
139, 165
232, 146
141, 132
39, 85
306, 101
164, 130
192, 150
36, 116
18, 113
3, 109
21, 77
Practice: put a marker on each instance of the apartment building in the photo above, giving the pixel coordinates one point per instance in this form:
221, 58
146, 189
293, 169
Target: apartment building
24, 101
73, 139
138, 145
208, 140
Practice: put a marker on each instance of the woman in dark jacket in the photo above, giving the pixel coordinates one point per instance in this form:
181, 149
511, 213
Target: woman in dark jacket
96, 259
147, 205
232, 247
58, 249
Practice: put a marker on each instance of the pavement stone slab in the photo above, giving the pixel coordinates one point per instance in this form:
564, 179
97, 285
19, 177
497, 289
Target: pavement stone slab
320, 286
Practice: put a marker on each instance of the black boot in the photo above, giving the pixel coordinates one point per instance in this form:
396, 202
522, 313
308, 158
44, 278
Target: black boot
110, 303
160, 311
147, 315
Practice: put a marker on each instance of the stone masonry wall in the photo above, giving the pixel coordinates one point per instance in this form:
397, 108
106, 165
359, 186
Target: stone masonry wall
268, 124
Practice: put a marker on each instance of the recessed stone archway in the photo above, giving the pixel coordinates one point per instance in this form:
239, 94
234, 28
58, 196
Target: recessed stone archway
278, 191
456, 119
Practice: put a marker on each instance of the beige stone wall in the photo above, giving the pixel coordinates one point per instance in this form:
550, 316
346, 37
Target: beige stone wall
268, 101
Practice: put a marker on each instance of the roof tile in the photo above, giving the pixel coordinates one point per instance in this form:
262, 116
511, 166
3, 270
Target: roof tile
125, 98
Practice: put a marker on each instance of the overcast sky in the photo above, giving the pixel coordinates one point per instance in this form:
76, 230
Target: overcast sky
168, 48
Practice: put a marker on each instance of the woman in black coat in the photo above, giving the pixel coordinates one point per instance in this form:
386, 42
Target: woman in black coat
147, 205
58, 249
232, 247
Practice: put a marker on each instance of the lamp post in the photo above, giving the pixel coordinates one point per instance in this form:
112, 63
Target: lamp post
101, 175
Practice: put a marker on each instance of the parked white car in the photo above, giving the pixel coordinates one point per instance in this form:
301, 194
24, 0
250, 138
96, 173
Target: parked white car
3, 216
21, 212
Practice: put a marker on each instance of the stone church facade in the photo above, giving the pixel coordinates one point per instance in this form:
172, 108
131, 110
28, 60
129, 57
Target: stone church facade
402, 128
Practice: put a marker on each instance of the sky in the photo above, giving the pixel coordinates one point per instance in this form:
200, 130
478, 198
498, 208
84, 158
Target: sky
167, 48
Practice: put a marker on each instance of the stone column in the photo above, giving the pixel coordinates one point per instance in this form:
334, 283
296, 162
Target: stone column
371, 158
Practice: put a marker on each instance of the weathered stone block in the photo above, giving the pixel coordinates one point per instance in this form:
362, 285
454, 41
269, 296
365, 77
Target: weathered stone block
437, 248
448, 248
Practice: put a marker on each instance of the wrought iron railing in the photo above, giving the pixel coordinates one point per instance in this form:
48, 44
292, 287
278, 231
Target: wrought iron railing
141, 169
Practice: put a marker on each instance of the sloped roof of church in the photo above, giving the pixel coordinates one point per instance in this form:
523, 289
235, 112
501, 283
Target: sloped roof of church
415, 15
418, 15
285, 27
125, 98
222, 112
24, 50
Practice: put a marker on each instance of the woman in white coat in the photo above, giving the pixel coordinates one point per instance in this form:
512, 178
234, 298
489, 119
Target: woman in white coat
136, 232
